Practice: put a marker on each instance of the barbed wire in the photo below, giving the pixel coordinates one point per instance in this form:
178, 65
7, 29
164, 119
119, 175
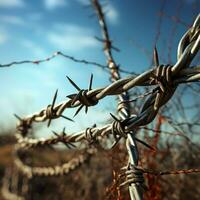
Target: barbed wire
186, 75
133, 174
59, 53
164, 78
57, 170
175, 19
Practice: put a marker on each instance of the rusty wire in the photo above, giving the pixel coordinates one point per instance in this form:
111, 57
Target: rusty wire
164, 78
133, 174
59, 53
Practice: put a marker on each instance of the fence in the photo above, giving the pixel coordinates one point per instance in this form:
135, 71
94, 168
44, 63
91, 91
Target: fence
164, 79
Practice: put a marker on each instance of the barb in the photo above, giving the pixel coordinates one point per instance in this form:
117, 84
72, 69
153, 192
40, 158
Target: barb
82, 96
51, 113
61, 138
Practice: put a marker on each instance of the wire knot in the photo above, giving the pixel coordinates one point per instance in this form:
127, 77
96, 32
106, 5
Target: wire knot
23, 125
50, 112
163, 77
133, 175
90, 137
117, 129
64, 138
85, 100
82, 96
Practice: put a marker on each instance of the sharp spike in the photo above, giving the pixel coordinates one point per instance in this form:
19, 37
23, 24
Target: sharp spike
71, 96
155, 57
67, 118
49, 122
86, 109
56, 134
99, 39
145, 144
75, 98
74, 84
78, 110
64, 134
54, 98
18, 117
115, 118
66, 144
90, 83
125, 121
72, 145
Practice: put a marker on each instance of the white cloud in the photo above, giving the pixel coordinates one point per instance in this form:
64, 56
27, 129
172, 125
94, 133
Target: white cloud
112, 14
52, 4
12, 19
12, 3
72, 37
33, 47
3, 37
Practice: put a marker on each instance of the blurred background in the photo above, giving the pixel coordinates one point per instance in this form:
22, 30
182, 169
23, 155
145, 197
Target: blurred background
36, 29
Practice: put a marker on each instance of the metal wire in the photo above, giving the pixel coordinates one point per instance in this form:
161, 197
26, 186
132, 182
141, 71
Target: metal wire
164, 78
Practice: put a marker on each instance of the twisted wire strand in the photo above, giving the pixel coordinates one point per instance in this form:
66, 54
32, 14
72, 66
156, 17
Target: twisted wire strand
172, 172
58, 53
133, 174
57, 170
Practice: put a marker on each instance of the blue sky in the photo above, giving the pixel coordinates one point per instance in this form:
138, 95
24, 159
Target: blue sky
35, 29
